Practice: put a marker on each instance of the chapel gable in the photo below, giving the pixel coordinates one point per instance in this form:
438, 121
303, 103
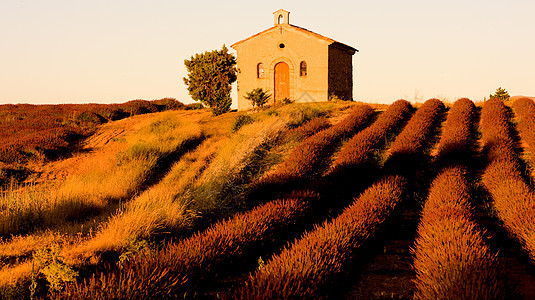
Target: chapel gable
293, 64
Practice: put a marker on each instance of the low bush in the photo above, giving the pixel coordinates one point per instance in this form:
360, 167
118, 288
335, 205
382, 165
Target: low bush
168, 104
138, 107
90, 117
258, 97
194, 106
102, 179
112, 112
413, 137
525, 113
303, 268
458, 140
178, 268
451, 258
309, 128
307, 160
410, 146
513, 198
42, 132
311, 157
240, 121
358, 150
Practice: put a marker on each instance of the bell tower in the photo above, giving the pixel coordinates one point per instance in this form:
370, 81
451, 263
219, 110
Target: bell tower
281, 17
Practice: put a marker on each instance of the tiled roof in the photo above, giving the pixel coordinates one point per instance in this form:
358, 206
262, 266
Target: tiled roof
301, 29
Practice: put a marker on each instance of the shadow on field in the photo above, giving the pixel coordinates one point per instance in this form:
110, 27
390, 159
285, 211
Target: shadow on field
77, 210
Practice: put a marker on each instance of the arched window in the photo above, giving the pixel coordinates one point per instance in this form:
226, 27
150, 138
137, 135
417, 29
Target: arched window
303, 69
260, 70
281, 19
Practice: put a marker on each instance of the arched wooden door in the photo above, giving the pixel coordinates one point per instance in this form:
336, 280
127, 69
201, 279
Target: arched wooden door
282, 81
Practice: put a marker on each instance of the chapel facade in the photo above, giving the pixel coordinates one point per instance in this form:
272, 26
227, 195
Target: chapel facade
291, 62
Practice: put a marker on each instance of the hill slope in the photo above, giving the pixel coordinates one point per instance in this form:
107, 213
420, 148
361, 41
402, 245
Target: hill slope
183, 203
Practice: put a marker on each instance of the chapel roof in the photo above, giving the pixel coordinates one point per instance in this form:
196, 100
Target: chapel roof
303, 30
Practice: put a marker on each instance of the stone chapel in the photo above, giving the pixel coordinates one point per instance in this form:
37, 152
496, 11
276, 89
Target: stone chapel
295, 63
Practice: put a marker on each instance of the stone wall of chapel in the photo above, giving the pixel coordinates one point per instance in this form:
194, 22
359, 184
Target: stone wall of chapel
340, 73
266, 48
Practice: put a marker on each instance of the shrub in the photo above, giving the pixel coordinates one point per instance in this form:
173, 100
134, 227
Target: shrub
358, 150
500, 94
458, 136
421, 125
408, 149
37, 131
168, 104
306, 266
180, 267
309, 128
90, 118
310, 158
287, 101
194, 106
307, 159
240, 121
138, 107
53, 266
525, 113
257, 97
112, 112
210, 76
44, 132
514, 199
451, 257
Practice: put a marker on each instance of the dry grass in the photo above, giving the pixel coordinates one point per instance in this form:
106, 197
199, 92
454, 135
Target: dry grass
100, 179
107, 176
160, 209
168, 206
112, 204
177, 269
236, 163
118, 175
42, 133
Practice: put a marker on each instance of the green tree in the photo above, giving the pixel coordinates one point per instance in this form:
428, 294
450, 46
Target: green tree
257, 97
500, 94
210, 76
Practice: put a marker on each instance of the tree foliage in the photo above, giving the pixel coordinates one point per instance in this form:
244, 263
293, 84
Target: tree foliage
258, 97
501, 94
210, 76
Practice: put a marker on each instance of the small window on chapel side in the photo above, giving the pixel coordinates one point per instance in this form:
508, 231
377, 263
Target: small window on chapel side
303, 69
260, 70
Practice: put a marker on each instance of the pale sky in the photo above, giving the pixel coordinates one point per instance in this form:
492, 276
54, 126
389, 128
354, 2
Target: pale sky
74, 51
